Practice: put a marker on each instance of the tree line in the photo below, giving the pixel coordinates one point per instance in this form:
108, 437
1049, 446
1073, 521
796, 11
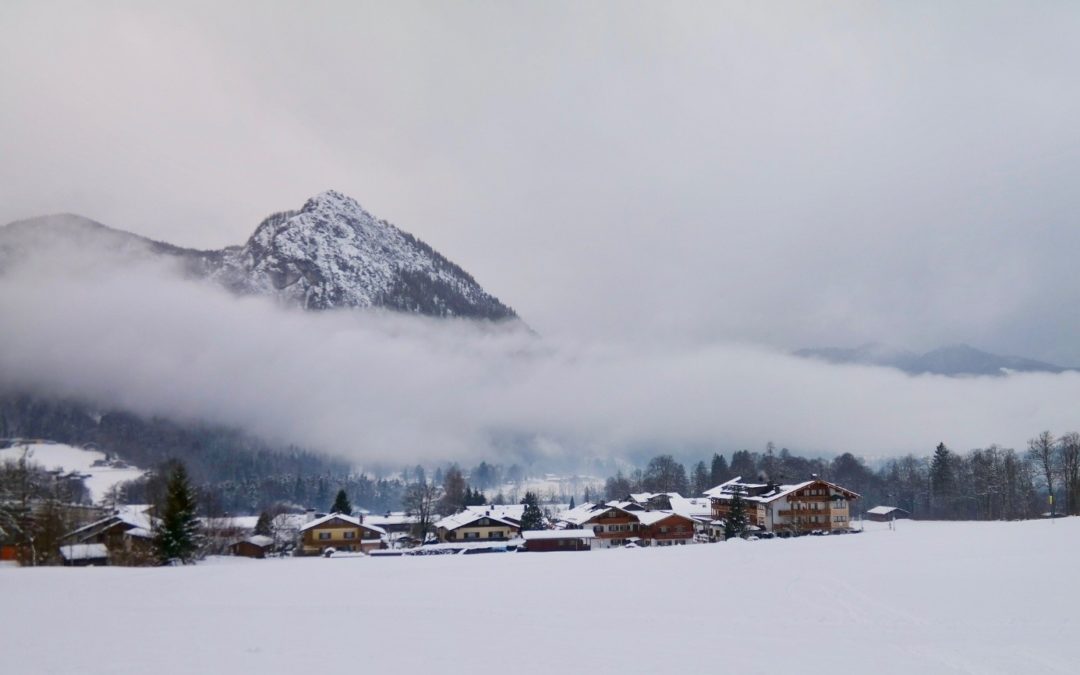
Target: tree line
991, 483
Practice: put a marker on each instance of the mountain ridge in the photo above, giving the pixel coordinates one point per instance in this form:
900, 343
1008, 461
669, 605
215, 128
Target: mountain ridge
331, 253
956, 360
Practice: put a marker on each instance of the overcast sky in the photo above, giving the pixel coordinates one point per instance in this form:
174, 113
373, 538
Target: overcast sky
665, 179
800, 175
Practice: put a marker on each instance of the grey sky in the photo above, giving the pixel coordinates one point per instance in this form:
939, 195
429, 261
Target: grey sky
791, 176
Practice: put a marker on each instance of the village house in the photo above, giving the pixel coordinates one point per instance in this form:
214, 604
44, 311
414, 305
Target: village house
626, 522
255, 546
474, 524
813, 505
884, 514
340, 533
127, 535
558, 540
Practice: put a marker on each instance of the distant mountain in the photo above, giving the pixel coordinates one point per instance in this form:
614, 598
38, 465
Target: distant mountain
954, 360
329, 254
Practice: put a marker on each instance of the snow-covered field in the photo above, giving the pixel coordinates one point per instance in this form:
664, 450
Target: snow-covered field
926, 598
99, 479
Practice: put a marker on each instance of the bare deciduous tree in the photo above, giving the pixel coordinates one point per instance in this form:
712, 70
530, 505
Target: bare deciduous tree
1069, 451
1042, 451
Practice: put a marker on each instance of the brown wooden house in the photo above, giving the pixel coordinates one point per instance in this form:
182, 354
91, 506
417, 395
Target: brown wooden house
341, 533
255, 546
558, 540
810, 506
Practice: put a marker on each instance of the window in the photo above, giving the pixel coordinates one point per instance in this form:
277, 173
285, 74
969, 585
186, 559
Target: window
324, 535
350, 535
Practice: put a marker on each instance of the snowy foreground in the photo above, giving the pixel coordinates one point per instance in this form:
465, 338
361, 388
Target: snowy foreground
929, 598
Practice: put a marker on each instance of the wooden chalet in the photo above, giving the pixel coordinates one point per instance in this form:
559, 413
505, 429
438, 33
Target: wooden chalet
127, 535
810, 506
476, 525
341, 533
621, 523
255, 546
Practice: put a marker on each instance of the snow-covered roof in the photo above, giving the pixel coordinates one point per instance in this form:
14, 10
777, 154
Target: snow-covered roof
468, 516
884, 510
652, 517
534, 535
397, 518
691, 507
583, 513
260, 540
133, 516
728, 489
348, 519
84, 551
510, 511
139, 533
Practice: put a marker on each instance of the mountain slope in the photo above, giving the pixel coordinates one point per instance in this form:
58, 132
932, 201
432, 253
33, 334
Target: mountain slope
954, 360
329, 254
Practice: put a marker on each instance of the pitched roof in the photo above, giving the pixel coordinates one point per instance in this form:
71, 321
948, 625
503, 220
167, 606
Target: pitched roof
468, 517
348, 519
884, 510
728, 489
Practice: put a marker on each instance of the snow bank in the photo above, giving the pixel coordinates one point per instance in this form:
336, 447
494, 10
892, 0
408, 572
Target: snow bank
928, 597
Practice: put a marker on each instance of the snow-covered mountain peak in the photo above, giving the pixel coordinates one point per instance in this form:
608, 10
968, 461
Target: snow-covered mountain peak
333, 253
329, 254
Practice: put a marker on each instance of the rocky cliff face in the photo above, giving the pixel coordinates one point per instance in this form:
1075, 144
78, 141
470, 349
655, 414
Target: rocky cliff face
333, 253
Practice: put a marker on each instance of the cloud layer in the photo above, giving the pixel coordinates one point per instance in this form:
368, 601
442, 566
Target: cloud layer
384, 388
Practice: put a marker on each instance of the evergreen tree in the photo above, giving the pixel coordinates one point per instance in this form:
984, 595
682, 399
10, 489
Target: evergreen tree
341, 504
736, 522
587, 497
743, 464
177, 534
942, 480
571, 501
264, 525
718, 472
532, 518
699, 482
474, 497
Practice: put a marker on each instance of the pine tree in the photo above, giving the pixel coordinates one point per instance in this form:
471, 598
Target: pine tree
718, 472
263, 525
571, 501
532, 518
942, 480
736, 522
341, 504
177, 534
